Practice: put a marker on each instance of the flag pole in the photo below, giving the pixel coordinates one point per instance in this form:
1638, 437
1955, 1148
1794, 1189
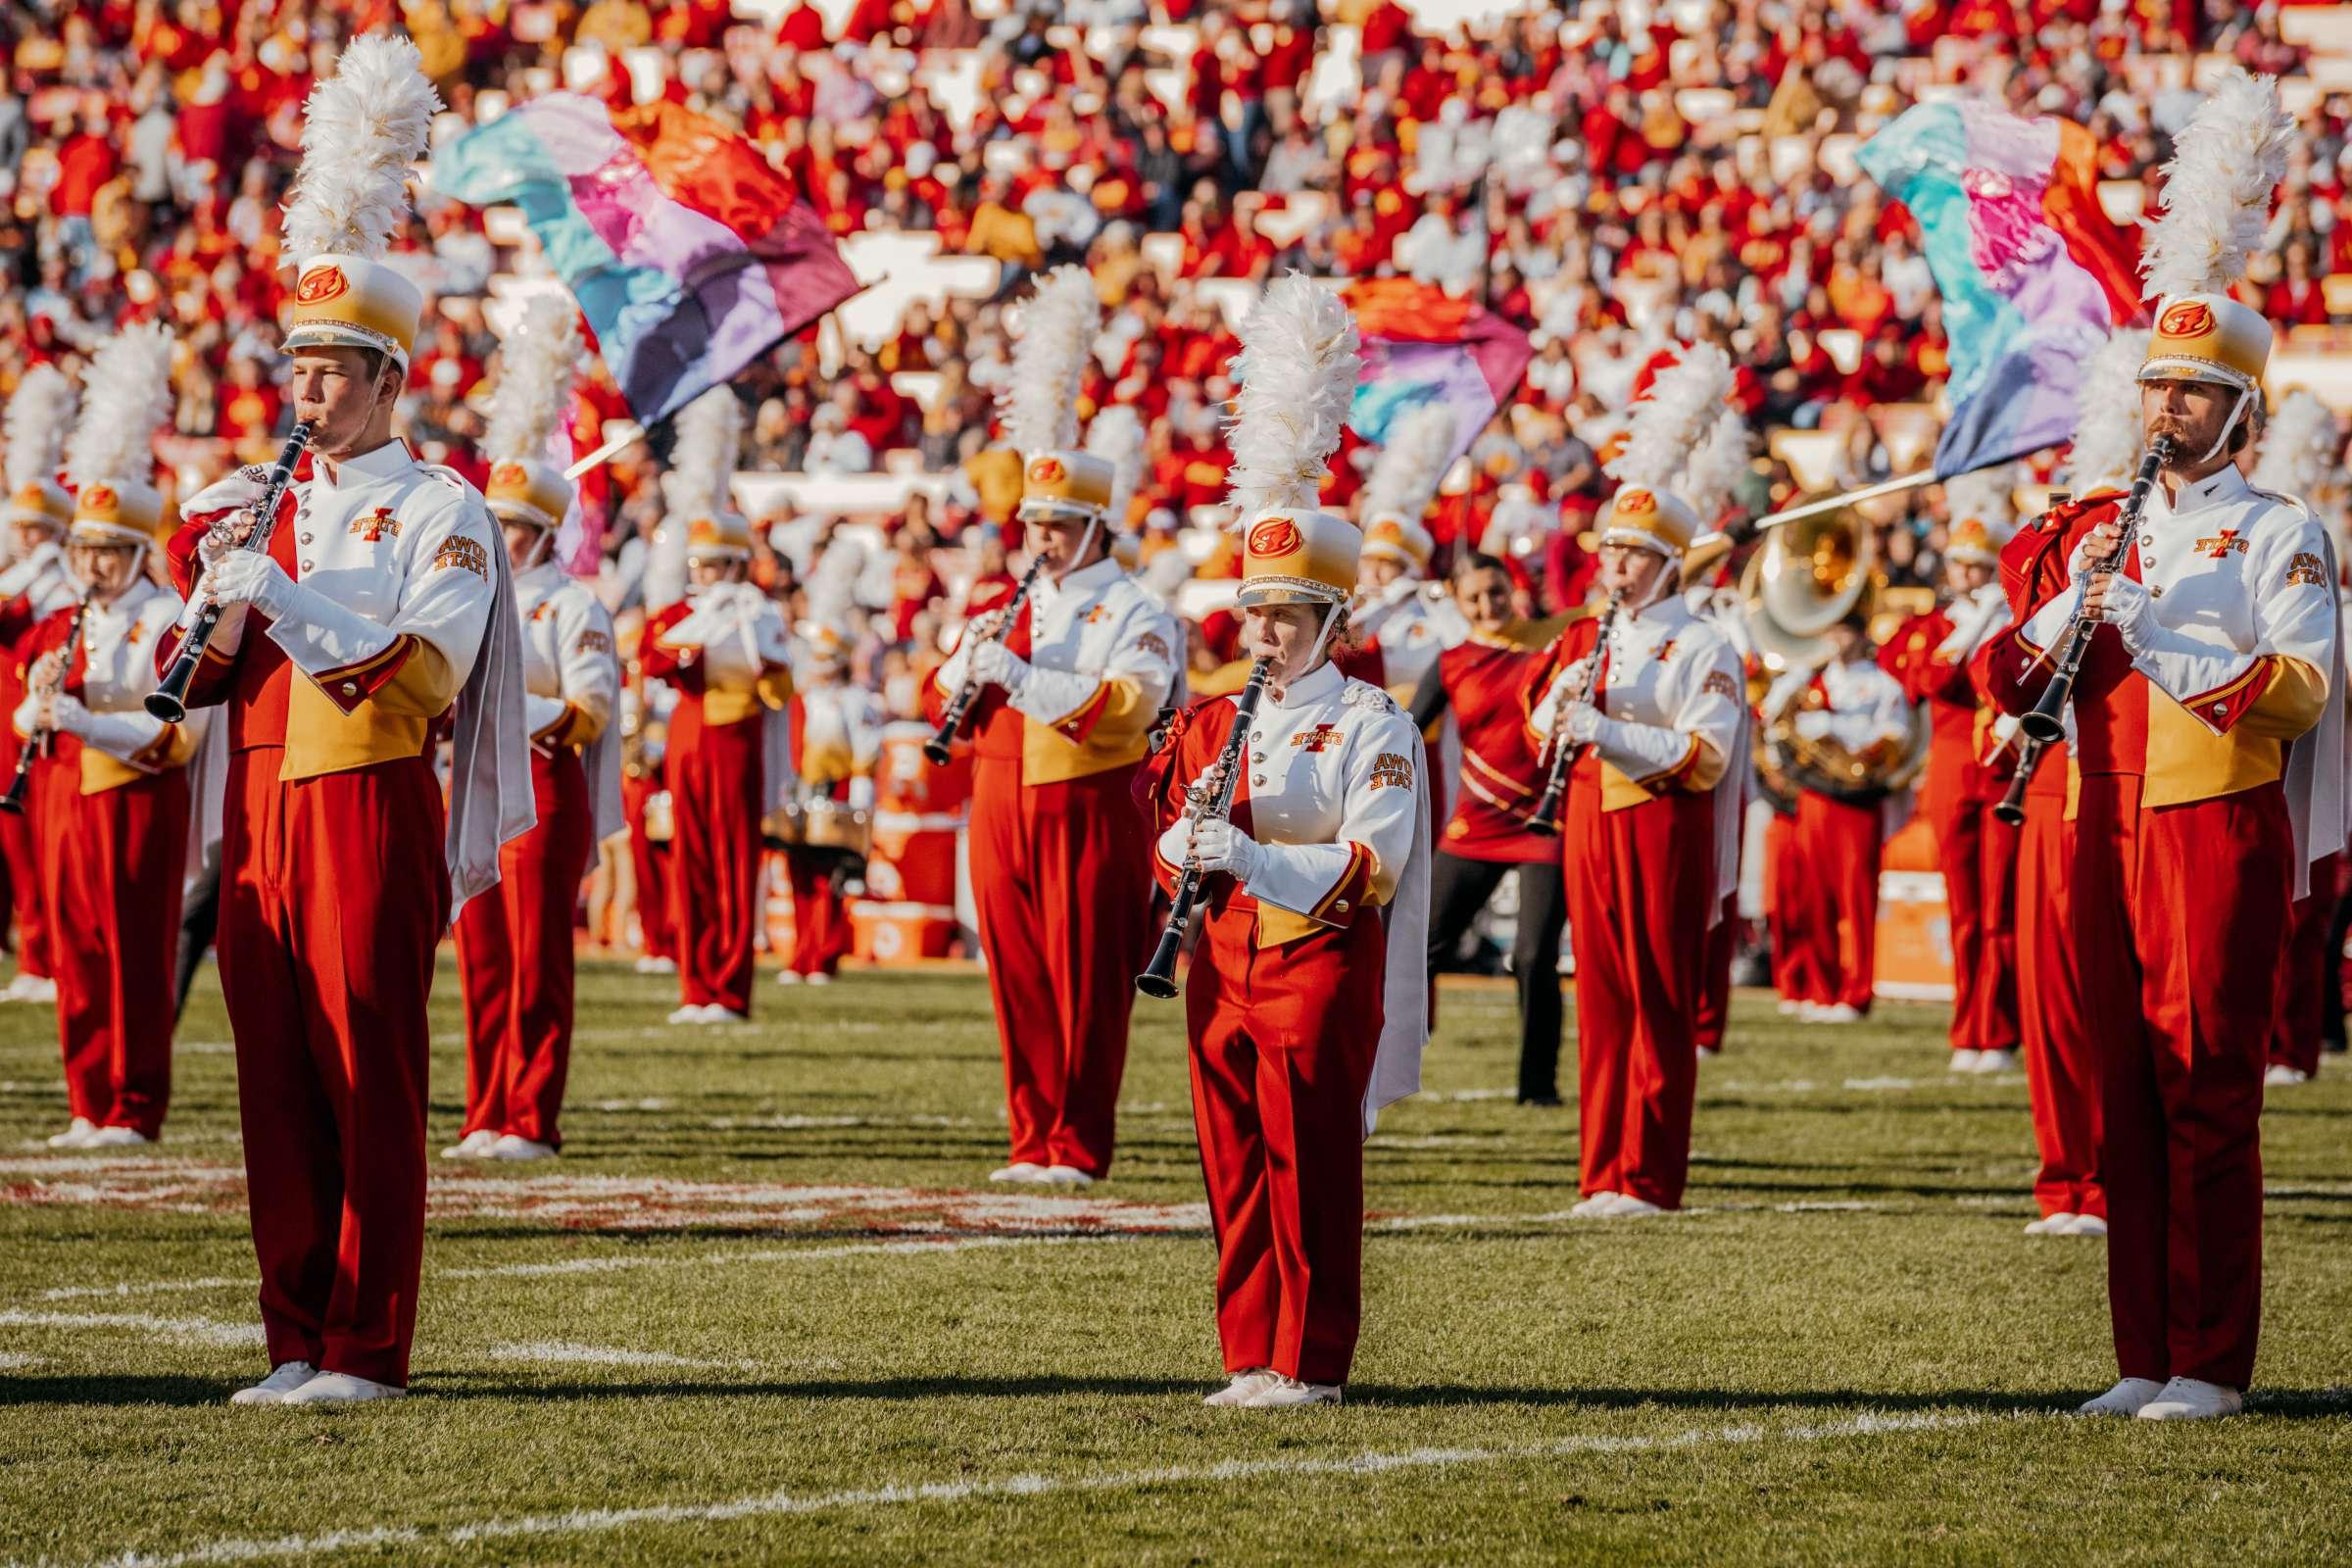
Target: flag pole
631, 433
1870, 492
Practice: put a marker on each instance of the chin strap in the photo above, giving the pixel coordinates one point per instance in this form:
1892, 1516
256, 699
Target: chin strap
2237, 412
1332, 615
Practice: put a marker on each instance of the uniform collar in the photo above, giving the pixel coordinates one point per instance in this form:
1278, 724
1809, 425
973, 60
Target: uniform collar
386, 462
2225, 483
1318, 685
1083, 579
1664, 612
543, 575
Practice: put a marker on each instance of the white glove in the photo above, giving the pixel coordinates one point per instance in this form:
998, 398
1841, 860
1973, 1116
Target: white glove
994, 664
1583, 724
67, 715
1815, 725
540, 711
1219, 845
249, 577
1574, 680
20, 577
2129, 611
27, 718
1175, 845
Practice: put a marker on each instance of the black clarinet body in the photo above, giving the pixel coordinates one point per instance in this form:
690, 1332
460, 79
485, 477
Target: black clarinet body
1545, 819
941, 746
2046, 721
169, 701
1159, 979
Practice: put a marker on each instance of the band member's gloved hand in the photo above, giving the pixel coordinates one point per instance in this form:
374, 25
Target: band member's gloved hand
27, 719
538, 712
1219, 845
1583, 723
2124, 604
994, 664
67, 715
1175, 845
20, 576
2095, 548
249, 577
1815, 725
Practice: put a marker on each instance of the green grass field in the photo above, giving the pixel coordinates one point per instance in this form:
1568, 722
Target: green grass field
766, 1310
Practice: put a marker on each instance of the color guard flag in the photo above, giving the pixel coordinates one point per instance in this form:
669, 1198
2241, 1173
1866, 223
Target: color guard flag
1421, 345
689, 253
2033, 275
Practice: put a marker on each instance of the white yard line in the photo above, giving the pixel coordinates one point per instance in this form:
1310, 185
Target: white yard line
187, 1329
604, 1521
19, 1361
564, 1353
625, 1262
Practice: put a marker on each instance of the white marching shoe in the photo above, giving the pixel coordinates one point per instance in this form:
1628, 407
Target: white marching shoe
1624, 1205
116, 1138
476, 1145
1245, 1386
2187, 1399
656, 965
2086, 1225
1020, 1173
788, 977
341, 1387
712, 1012
2125, 1398
1964, 1060
283, 1379
76, 1134
1996, 1062
1288, 1394
820, 978
2281, 1076
2053, 1225
1070, 1176
513, 1146
1836, 1013
692, 1012
32, 988
1790, 1007
1709, 1053
1594, 1206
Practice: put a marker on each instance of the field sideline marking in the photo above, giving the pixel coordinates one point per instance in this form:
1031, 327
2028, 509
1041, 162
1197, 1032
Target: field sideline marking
599, 1521
193, 1330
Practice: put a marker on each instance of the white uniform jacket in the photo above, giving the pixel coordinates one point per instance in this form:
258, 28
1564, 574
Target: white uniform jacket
572, 680
121, 740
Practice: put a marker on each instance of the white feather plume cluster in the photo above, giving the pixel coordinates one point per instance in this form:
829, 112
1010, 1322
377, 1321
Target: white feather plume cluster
1988, 495
125, 394
1668, 427
2302, 449
361, 129
1412, 464
1117, 437
1055, 330
535, 366
1716, 469
1297, 373
38, 417
2107, 426
702, 459
2227, 162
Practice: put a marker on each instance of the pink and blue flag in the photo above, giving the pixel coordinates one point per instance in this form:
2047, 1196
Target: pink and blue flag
1421, 345
688, 252
2033, 275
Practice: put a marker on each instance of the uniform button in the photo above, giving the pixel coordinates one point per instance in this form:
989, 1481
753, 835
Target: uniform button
305, 538
1258, 779
1340, 907
351, 688
2156, 593
307, 565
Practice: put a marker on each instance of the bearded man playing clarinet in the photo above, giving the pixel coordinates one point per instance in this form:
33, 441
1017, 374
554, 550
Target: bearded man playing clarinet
2210, 758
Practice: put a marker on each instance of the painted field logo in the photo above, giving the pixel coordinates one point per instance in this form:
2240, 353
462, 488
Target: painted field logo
320, 284
99, 498
2189, 318
1047, 470
1276, 536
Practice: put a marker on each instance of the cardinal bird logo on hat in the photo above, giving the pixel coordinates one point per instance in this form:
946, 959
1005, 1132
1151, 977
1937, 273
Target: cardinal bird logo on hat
1047, 470
320, 284
2189, 318
508, 473
1276, 536
99, 498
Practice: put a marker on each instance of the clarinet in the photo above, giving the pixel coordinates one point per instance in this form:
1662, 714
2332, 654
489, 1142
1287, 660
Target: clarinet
13, 802
959, 711
1545, 818
2010, 810
1212, 800
169, 701
2046, 722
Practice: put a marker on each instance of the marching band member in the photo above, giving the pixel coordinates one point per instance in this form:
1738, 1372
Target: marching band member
1392, 640
1478, 681
514, 945
1069, 688
111, 793
2215, 643
836, 743
1649, 700
644, 807
1305, 1004
39, 512
378, 611
1930, 656
725, 650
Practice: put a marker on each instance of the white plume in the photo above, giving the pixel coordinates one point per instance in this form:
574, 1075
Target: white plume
1667, 427
2107, 427
1409, 468
361, 129
1297, 373
1716, 469
535, 366
2302, 451
125, 394
702, 459
2227, 162
38, 417
1039, 402
1116, 436
1987, 495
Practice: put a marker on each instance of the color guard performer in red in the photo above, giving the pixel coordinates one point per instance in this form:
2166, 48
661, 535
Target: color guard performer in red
1069, 691
1305, 1004
1648, 700
836, 743
1478, 681
35, 585
725, 649
109, 790
514, 944
1930, 656
378, 614
2210, 716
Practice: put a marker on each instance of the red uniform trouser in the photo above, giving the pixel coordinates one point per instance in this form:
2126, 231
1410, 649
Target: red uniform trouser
1836, 849
2179, 914
2062, 1067
18, 846
651, 862
1979, 858
1061, 875
716, 776
1640, 889
111, 865
2306, 969
332, 902
1283, 1042
1790, 917
515, 954
1715, 977
821, 925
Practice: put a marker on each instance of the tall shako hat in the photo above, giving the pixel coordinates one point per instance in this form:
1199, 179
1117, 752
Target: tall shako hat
1404, 480
2302, 451
361, 129
1668, 429
535, 367
2227, 163
2107, 435
1116, 435
1983, 508
700, 465
38, 417
1054, 333
1297, 373
127, 393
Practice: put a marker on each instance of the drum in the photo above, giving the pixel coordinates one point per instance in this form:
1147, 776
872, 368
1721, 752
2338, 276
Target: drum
785, 826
